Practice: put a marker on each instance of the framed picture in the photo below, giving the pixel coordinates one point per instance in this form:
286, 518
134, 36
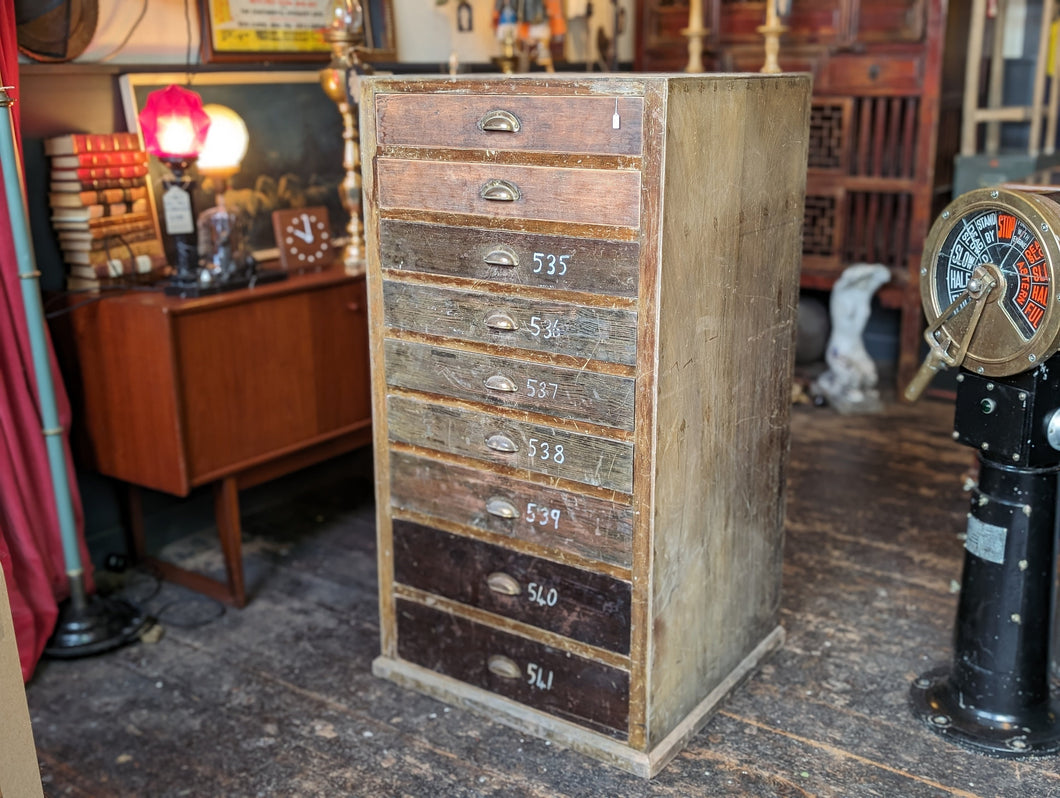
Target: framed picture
286, 30
294, 158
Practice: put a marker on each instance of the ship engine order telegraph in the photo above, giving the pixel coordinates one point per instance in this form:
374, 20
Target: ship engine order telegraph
989, 287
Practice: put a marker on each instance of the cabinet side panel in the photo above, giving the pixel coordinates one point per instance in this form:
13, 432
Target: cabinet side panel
734, 189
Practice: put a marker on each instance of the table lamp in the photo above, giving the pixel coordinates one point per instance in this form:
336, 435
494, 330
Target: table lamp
174, 127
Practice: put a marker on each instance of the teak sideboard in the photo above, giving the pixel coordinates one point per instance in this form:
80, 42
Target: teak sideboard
232, 390
582, 296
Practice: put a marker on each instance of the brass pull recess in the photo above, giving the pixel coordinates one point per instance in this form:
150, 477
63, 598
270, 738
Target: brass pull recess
498, 382
499, 121
500, 665
501, 255
498, 190
500, 582
501, 443
501, 507
499, 320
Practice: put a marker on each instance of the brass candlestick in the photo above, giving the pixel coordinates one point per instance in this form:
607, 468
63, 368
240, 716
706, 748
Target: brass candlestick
772, 31
340, 80
695, 33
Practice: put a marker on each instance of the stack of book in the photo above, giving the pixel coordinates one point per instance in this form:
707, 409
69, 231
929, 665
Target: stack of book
101, 211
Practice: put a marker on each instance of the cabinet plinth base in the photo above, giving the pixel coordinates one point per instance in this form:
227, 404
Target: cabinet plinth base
520, 717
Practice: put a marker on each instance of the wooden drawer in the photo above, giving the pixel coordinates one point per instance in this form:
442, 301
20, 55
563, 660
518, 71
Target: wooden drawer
543, 124
560, 328
538, 448
585, 606
574, 196
568, 393
558, 682
542, 261
562, 520
871, 74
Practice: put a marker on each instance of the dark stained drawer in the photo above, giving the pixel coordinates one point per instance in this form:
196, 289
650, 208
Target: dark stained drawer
574, 196
570, 687
538, 448
582, 605
511, 122
565, 392
540, 325
566, 521
870, 74
543, 261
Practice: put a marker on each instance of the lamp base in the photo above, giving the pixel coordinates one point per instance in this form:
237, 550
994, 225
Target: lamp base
101, 624
196, 289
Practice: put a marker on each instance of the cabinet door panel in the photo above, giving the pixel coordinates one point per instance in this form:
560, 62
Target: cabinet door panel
570, 687
585, 606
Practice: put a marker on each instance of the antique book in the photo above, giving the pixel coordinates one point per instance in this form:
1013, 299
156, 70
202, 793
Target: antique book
72, 143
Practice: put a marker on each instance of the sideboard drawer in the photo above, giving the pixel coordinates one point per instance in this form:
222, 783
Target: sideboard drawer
596, 461
570, 393
538, 324
556, 681
593, 265
571, 522
579, 124
574, 196
582, 605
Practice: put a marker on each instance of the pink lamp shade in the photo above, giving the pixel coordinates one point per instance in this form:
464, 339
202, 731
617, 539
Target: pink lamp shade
174, 124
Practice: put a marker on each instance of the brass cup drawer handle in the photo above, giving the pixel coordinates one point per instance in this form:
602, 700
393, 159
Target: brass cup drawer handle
499, 121
501, 255
499, 320
500, 383
501, 443
498, 190
502, 666
501, 507
505, 584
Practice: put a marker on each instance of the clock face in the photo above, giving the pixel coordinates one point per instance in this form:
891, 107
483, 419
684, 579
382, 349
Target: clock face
303, 237
988, 280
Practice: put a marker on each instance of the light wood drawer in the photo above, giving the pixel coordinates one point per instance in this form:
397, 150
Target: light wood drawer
565, 392
596, 461
574, 196
563, 520
543, 261
582, 605
556, 681
521, 123
560, 328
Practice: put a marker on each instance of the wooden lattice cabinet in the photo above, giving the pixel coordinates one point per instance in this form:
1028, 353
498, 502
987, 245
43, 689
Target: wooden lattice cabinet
884, 129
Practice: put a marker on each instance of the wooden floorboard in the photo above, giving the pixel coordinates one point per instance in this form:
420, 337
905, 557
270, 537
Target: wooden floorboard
278, 699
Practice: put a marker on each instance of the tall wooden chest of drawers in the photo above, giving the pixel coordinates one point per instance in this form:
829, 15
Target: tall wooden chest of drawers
582, 300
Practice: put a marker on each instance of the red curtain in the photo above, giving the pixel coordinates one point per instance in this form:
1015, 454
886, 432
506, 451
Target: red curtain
30, 545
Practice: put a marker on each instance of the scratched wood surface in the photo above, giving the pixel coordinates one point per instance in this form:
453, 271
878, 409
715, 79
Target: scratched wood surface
278, 699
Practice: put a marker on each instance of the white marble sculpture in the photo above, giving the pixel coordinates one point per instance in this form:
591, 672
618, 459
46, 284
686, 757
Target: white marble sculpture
850, 382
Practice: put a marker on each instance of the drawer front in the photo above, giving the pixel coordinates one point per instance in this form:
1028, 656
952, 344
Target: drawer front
538, 448
543, 124
871, 74
575, 196
568, 393
585, 606
570, 687
558, 328
571, 522
541, 261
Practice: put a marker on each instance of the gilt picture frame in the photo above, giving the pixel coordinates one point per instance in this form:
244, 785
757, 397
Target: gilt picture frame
294, 156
